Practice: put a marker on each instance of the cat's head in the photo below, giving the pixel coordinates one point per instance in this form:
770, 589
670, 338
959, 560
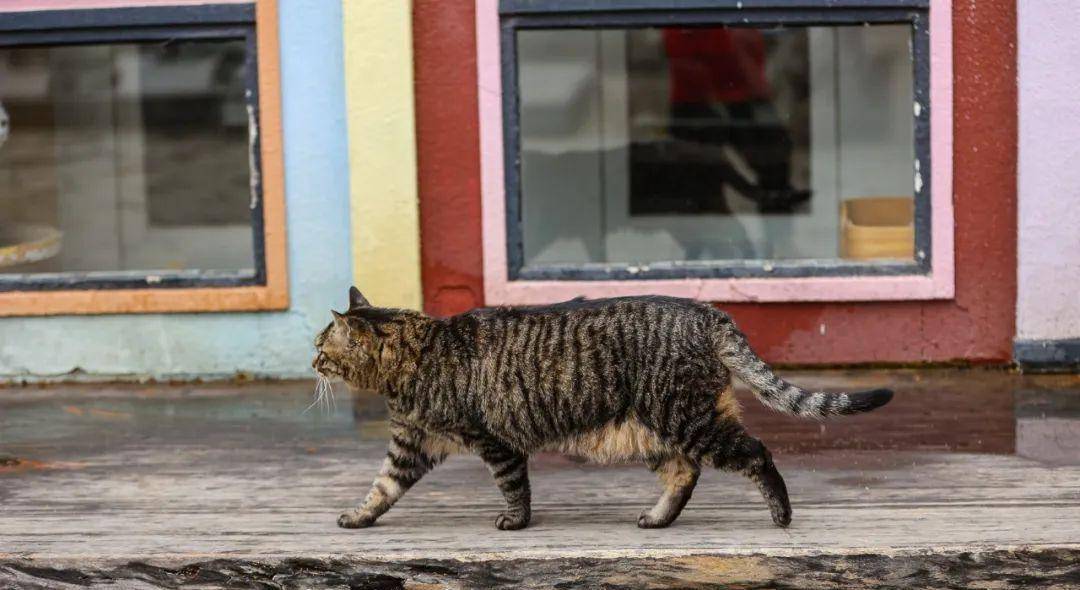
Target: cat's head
343, 346
355, 344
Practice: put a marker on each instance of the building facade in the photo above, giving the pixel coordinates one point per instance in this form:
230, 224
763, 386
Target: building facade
190, 186
256, 85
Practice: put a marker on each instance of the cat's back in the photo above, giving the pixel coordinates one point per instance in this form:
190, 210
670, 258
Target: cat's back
588, 321
629, 307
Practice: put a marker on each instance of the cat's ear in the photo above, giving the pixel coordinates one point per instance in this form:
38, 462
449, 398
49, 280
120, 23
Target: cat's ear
340, 322
357, 299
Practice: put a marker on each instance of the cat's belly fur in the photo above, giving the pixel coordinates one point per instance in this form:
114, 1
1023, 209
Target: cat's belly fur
625, 441
630, 440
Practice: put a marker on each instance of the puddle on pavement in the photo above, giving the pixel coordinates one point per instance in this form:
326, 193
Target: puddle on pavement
976, 411
946, 410
1048, 425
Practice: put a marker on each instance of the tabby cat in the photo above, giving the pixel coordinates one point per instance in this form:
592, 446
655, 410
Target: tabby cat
630, 378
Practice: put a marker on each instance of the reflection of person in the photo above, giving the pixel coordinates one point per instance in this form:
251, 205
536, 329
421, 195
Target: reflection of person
721, 96
716, 65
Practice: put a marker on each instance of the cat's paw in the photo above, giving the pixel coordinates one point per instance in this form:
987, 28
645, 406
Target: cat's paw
511, 521
647, 521
355, 519
781, 514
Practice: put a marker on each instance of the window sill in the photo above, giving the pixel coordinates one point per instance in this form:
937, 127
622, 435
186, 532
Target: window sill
128, 301
895, 288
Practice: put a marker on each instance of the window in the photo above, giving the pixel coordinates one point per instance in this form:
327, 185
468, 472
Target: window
133, 158
692, 140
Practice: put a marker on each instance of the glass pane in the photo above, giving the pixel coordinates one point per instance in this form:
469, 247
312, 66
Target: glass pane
693, 144
125, 157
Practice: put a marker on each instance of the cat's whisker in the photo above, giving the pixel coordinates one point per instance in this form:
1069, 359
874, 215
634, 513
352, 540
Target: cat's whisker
328, 395
323, 391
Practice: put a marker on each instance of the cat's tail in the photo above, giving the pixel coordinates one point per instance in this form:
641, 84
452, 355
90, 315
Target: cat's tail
774, 392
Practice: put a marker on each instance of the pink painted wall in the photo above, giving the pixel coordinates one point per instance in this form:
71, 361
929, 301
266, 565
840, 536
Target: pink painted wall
1048, 281
25, 5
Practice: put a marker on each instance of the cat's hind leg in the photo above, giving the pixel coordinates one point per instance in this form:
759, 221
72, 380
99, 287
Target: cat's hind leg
679, 476
755, 461
511, 472
407, 460
735, 450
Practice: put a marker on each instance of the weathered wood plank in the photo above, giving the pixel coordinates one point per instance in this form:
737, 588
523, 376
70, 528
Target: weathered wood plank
205, 472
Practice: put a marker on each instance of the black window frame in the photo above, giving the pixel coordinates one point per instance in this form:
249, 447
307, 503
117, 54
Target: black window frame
516, 15
95, 26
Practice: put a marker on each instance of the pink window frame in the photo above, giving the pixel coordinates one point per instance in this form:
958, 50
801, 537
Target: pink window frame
938, 284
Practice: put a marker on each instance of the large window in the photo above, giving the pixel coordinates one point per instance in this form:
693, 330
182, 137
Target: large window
716, 140
131, 150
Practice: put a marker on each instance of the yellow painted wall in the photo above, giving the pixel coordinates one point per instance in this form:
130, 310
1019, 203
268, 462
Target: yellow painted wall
382, 151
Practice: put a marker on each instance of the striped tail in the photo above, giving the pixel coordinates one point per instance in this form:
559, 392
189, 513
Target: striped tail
774, 392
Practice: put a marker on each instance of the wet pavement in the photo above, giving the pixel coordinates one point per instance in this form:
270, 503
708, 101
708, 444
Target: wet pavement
966, 473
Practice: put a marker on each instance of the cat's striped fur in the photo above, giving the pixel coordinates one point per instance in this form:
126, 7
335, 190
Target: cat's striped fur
633, 378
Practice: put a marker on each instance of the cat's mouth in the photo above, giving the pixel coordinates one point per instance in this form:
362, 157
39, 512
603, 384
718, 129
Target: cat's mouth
325, 368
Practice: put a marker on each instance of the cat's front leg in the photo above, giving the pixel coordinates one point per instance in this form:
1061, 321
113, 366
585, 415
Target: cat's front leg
679, 475
407, 460
511, 472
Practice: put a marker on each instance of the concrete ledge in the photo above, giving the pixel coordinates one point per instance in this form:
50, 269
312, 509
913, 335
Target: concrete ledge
1054, 568
1048, 355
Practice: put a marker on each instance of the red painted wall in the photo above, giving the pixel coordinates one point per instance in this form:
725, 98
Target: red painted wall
977, 326
448, 157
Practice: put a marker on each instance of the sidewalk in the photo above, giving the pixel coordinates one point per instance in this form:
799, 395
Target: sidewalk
93, 478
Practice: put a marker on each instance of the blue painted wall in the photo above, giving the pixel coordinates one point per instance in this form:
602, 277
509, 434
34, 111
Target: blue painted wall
217, 345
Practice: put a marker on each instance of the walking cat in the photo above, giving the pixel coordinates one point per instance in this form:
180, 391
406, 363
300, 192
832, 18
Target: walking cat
629, 378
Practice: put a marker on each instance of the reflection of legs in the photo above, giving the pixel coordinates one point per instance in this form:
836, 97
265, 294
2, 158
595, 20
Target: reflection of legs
701, 133
754, 130
679, 476
764, 142
766, 145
